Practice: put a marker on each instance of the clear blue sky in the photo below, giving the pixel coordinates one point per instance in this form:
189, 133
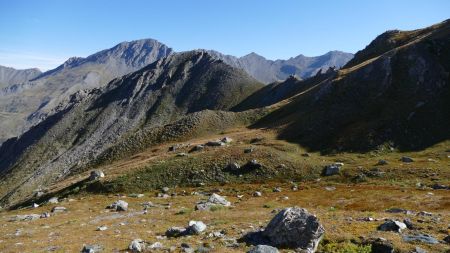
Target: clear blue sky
44, 33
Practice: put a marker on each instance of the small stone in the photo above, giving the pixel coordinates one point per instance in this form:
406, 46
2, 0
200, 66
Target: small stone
331, 170
35, 205
53, 200
137, 245
233, 166
119, 206
392, 225
96, 174
277, 189
175, 232
263, 249
406, 159
196, 227
92, 249
226, 140
257, 194
382, 162
248, 150
102, 228
156, 245
59, 209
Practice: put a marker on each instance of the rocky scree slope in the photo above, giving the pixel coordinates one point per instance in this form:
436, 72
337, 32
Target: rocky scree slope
394, 93
94, 121
26, 103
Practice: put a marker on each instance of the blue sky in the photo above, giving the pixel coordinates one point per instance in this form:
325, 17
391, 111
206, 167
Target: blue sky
44, 33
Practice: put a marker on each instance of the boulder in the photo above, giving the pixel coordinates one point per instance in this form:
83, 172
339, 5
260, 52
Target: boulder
119, 205
294, 227
382, 162
392, 225
96, 174
263, 249
253, 165
447, 239
137, 245
198, 148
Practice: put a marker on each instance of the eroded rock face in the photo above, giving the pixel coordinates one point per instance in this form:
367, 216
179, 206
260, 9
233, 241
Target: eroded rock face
294, 227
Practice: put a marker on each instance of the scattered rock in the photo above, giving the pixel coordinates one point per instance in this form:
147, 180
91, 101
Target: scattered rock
277, 189
53, 200
381, 245
418, 250
92, 248
96, 174
263, 249
136, 195
409, 224
137, 245
156, 245
35, 205
233, 166
118, 206
306, 155
248, 150
397, 210
226, 140
102, 228
424, 213
175, 232
195, 227
216, 143
332, 169
440, 187
253, 165
392, 225
420, 238
447, 239
198, 148
406, 159
26, 217
257, 194
382, 162
59, 209
214, 199
181, 154
45, 215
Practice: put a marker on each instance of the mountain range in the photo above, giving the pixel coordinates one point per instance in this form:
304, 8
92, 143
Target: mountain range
394, 93
27, 99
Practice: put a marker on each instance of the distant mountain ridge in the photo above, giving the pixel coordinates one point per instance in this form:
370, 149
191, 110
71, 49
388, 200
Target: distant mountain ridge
268, 71
24, 104
9, 76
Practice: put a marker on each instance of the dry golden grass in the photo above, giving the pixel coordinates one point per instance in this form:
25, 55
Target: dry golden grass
339, 209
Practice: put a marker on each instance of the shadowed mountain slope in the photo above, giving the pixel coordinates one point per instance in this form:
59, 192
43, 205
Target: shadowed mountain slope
24, 104
393, 94
129, 108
